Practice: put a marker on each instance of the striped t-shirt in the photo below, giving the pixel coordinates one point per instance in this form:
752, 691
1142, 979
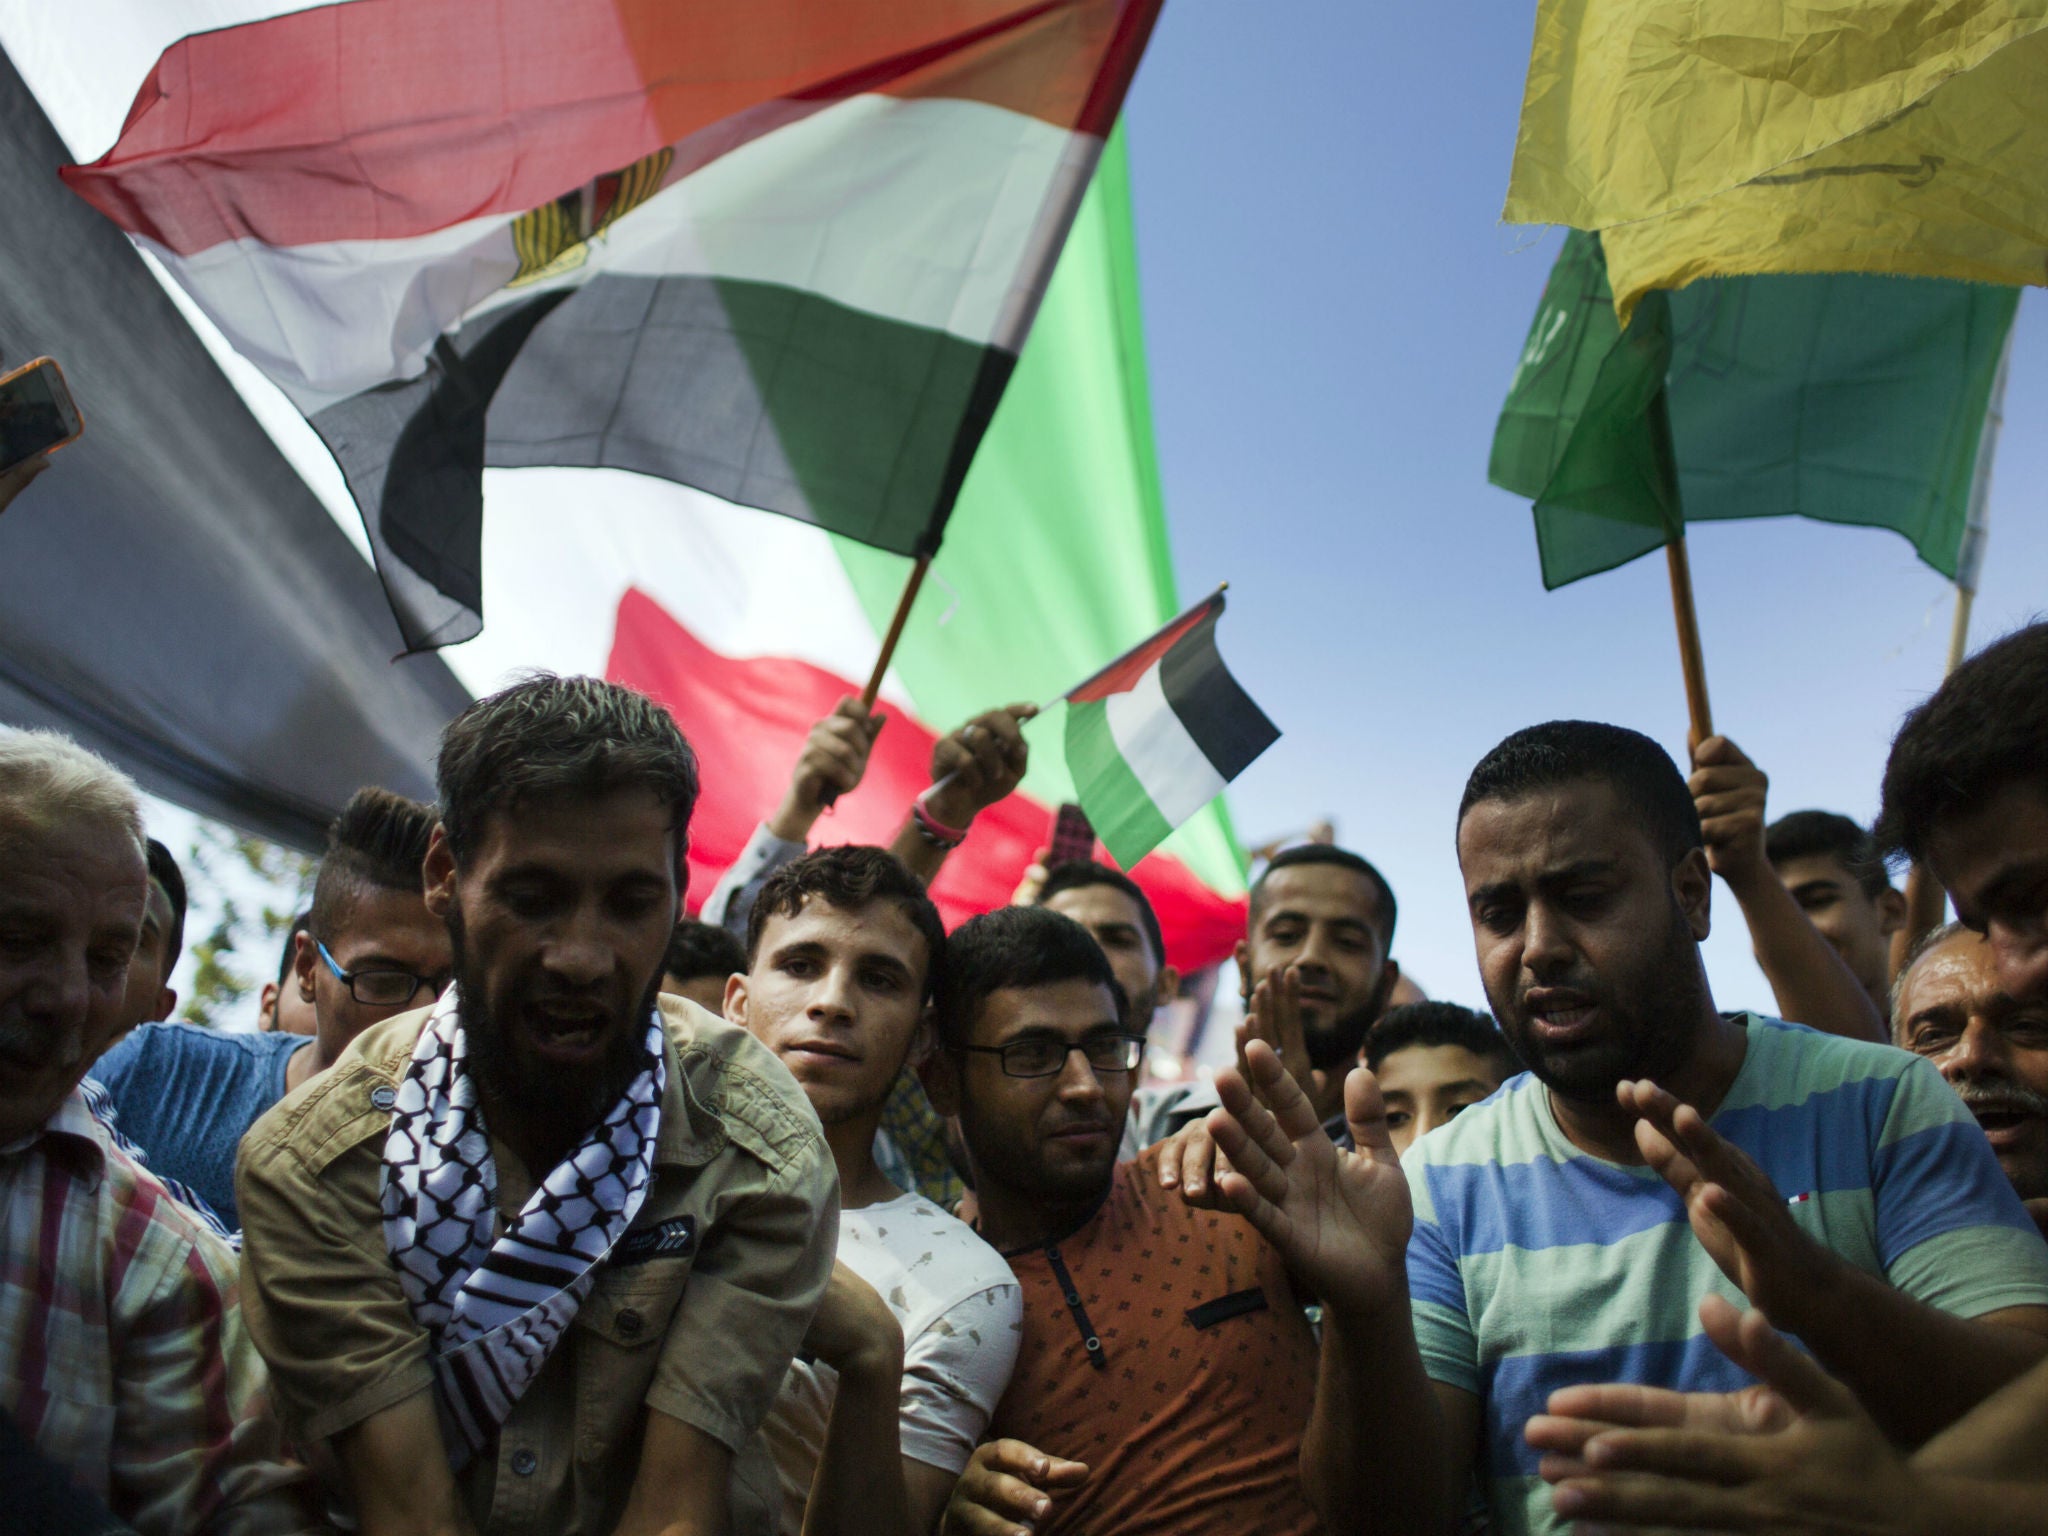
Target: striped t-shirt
1535, 1266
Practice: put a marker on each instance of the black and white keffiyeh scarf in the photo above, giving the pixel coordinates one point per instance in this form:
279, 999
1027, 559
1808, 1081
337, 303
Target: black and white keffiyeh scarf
494, 1310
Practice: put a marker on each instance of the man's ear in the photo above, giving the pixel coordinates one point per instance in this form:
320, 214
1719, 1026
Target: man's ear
166, 1002
437, 875
266, 1004
735, 1005
1692, 883
1389, 974
304, 958
1242, 954
940, 1074
923, 1040
1167, 987
1891, 911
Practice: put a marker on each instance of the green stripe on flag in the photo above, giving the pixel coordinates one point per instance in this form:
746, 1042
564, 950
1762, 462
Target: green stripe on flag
1056, 559
1125, 818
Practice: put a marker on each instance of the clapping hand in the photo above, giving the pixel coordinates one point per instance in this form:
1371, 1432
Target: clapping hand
1738, 1215
1796, 1454
1188, 1160
1339, 1219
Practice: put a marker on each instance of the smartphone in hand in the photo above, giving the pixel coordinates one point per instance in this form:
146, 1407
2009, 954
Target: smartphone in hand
37, 414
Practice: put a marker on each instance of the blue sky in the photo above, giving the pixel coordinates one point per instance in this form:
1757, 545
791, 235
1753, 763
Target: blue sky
1333, 311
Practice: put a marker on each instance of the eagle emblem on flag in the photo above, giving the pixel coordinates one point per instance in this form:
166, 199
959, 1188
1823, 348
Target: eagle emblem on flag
555, 237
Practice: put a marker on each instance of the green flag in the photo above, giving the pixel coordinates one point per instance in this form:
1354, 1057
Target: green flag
1848, 398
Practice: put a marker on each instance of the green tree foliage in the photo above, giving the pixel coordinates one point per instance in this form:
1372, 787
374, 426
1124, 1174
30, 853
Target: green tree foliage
251, 889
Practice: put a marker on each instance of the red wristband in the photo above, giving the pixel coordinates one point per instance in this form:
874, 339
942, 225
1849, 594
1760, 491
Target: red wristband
921, 806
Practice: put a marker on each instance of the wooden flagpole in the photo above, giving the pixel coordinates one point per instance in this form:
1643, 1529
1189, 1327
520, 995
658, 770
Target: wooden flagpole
1690, 658
873, 690
869, 694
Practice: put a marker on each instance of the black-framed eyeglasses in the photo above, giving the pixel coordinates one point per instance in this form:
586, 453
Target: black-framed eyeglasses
380, 988
1046, 1055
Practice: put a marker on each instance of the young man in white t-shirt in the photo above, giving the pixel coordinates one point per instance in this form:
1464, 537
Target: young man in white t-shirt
914, 1341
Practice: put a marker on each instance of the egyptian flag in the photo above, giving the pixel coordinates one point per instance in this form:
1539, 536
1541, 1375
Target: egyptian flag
785, 251
1156, 735
748, 627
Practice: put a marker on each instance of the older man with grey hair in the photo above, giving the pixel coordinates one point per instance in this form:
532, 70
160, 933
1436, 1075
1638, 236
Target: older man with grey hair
1948, 1005
122, 1355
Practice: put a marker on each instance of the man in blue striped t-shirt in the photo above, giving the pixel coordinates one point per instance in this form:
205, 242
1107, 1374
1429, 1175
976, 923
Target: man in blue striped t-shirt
1656, 1152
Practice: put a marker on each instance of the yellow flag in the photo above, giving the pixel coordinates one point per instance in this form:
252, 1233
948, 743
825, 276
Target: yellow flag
1708, 138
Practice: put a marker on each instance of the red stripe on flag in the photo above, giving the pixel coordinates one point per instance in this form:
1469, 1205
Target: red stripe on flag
1121, 675
389, 119
747, 720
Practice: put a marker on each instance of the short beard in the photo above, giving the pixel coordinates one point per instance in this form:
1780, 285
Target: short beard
1652, 1030
562, 1105
1337, 1044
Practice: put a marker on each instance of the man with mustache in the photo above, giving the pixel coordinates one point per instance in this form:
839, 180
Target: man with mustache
1993, 1050
1535, 1242
535, 1259
1166, 1370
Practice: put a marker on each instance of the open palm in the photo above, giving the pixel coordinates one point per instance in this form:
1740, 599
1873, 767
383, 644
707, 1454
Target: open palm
1340, 1219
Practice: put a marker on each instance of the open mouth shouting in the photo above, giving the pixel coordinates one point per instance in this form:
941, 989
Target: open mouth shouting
568, 1034
1560, 1016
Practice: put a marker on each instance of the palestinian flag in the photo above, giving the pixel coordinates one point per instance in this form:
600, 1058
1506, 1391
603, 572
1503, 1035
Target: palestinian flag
244, 667
785, 251
1156, 735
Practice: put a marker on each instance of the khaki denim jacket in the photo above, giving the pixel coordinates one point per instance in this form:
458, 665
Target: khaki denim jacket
701, 1326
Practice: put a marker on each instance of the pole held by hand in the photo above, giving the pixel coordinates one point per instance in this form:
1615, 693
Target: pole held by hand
1690, 657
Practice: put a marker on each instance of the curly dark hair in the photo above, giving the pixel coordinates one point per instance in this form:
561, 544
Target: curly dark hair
548, 735
850, 878
1986, 726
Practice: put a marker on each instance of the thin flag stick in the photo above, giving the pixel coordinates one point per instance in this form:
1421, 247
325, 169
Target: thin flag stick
873, 691
1926, 902
869, 694
1690, 657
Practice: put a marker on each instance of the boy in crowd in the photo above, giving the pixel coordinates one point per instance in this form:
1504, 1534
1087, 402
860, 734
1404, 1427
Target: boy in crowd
1839, 1185
535, 1260
122, 1354
1833, 870
915, 1338
1166, 1370
701, 959
371, 950
1811, 976
1432, 1061
150, 996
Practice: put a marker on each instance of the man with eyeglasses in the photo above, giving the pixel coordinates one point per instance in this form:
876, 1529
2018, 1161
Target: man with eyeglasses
1166, 1373
371, 950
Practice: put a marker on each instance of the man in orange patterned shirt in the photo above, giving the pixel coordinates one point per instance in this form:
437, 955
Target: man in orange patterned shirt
1166, 1370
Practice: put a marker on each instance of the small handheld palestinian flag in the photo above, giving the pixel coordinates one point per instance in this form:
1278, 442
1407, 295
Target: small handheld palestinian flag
1157, 734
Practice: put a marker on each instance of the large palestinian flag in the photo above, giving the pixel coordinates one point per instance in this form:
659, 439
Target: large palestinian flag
749, 626
785, 251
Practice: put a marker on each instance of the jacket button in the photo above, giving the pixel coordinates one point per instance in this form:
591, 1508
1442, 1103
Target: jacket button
523, 1462
383, 1096
629, 1323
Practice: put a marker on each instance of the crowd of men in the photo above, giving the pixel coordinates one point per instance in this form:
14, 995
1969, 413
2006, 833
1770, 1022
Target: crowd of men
528, 1208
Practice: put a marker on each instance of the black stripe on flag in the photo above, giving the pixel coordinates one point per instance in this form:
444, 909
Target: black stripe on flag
1219, 715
